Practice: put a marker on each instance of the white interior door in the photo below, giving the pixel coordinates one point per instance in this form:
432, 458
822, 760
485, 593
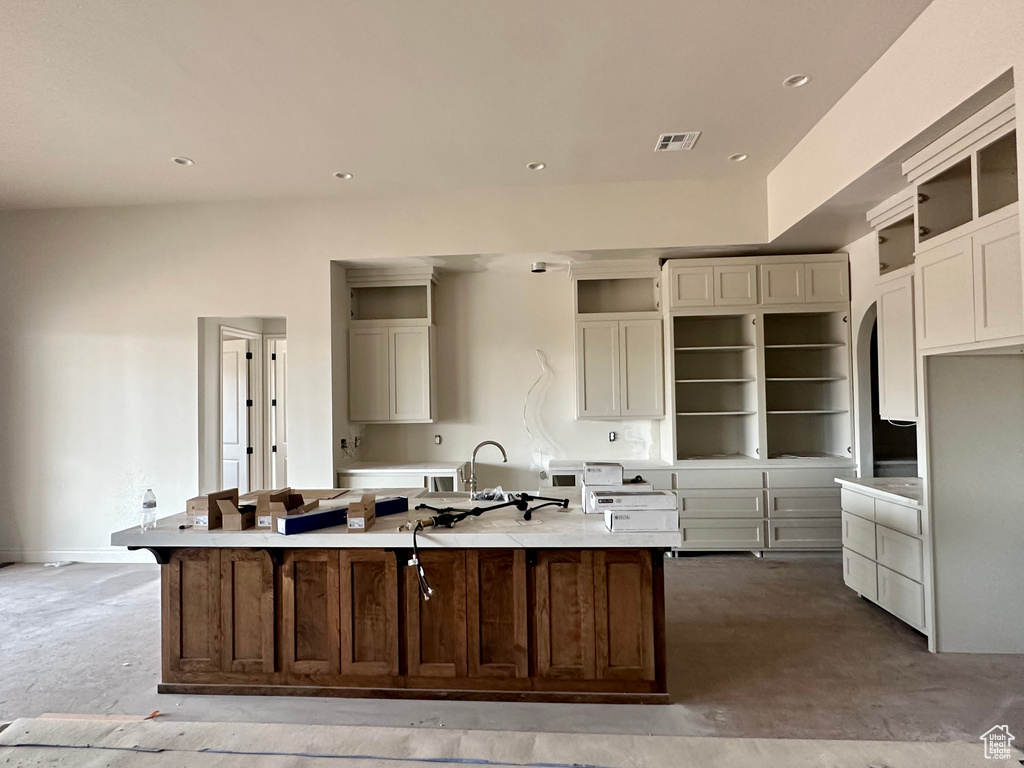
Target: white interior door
234, 415
278, 423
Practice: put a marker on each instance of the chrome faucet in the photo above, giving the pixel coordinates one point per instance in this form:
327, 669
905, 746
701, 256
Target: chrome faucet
472, 466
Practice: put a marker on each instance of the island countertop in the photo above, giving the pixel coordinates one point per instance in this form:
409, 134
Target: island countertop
550, 528
902, 490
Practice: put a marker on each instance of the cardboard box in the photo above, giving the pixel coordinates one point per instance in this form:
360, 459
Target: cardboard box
641, 520
217, 502
602, 473
588, 501
240, 518
328, 517
628, 500
362, 513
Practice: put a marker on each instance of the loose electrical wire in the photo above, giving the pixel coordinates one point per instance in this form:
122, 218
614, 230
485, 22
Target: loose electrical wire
545, 371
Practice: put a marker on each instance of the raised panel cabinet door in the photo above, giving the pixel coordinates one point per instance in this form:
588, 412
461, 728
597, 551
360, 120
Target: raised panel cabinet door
735, 285
597, 369
247, 610
369, 612
564, 614
897, 362
193, 633
782, 283
827, 281
368, 384
945, 295
624, 614
436, 628
496, 598
640, 362
310, 592
998, 297
409, 366
691, 287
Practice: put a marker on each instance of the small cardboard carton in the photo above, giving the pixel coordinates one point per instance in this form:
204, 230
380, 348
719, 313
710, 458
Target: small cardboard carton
362, 513
602, 473
217, 503
271, 505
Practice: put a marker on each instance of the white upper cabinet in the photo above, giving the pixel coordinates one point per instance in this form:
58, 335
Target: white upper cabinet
597, 369
827, 281
997, 281
945, 283
897, 364
410, 352
782, 284
735, 285
368, 387
691, 287
640, 368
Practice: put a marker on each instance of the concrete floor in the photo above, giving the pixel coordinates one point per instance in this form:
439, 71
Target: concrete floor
756, 648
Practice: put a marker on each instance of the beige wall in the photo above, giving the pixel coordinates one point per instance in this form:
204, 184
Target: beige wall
98, 328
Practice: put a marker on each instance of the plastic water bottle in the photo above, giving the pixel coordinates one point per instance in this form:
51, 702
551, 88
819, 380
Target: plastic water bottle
148, 510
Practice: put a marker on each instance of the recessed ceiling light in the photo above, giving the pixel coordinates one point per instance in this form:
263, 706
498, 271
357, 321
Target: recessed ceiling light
739, 157
795, 81
536, 166
183, 161
343, 175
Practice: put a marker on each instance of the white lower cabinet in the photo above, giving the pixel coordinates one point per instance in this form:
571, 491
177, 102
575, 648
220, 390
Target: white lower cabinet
804, 533
721, 535
883, 554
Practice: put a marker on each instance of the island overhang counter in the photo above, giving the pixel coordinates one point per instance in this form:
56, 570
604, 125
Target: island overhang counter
553, 609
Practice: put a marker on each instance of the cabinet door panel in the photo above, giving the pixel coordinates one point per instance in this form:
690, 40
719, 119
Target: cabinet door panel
436, 628
720, 503
735, 285
193, 606
998, 301
691, 287
901, 596
858, 535
945, 295
624, 613
247, 610
641, 368
803, 502
900, 552
897, 364
715, 534
409, 371
310, 593
497, 618
597, 369
782, 283
369, 612
564, 614
804, 533
860, 574
827, 281
368, 384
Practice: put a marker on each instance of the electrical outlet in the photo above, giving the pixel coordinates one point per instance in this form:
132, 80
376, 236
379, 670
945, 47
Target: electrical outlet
437, 439
611, 437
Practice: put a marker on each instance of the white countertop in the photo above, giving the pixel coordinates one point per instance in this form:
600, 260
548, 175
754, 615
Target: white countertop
902, 490
411, 467
551, 528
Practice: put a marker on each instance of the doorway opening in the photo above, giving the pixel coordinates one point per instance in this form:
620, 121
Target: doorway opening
243, 391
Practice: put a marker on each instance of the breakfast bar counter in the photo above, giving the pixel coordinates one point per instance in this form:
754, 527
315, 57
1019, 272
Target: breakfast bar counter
555, 608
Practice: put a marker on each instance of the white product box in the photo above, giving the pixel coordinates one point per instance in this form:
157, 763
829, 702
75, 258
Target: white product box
588, 497
602, 473
624, 520
601, 500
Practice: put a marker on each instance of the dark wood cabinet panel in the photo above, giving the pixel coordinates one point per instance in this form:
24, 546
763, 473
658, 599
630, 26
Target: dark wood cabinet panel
247, 610
369, 612
564, 614
310, 596
192, 637
624, 614
436, 628
498, 626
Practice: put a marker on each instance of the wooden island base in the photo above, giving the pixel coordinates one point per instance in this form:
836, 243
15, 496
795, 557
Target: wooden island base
569, 625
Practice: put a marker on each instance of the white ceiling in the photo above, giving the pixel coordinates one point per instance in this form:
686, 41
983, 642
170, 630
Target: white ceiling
271, 97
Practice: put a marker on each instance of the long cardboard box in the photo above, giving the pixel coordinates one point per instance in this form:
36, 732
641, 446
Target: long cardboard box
633, 500
588, 497
641, 520
328, 517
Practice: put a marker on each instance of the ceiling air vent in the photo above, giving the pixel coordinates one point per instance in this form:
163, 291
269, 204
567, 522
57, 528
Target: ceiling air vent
670, 142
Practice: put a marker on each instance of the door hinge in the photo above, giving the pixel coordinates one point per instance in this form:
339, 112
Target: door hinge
248, 403
273, 402
248, 355
273, 449
249, 450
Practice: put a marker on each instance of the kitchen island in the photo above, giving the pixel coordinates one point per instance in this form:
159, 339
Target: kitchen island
553, 609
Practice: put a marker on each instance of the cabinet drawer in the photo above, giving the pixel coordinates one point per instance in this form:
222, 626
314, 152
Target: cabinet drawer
858, 504
720, 478
901, 596
859, 535
803, 502
808, 478
804, 533
899, 552
906, 519
860, 574
721, 534
719, 504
